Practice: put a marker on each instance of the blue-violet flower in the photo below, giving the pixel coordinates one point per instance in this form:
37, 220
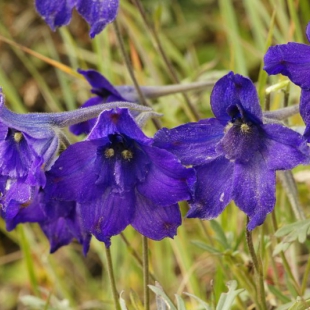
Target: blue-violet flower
235, 155
105, 92
119, 178
97, 13
293, 60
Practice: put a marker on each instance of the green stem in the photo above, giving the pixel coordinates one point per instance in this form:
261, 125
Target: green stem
131, 72
258, 271
112, 279
295, 18
285, 263
135, 255
165, 58
305, 278
28, 259
146, 273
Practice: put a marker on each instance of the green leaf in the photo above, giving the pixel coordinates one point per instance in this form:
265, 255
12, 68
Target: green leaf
219, 233
122, 301
226, 300
299, 304
206, 247
278, 294
294, 227
281, 247
161, 298
180, 302
297, 231
201, 302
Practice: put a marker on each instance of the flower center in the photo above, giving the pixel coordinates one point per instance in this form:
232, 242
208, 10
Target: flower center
126, 154
245, 128
120, 146
238, 119
18, 136
109, 153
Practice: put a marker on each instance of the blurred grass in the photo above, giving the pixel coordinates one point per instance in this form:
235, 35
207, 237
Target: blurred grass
203, 39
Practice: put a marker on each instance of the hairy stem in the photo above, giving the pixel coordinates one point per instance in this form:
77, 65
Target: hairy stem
258, 271
146, 298
130, 70
286, 265
112, 279
135, 255
164, 56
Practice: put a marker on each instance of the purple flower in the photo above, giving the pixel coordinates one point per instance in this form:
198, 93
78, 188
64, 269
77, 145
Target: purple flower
97, 13
119, 178
235, 155
27, 147
104, 91
293, 60
59, 220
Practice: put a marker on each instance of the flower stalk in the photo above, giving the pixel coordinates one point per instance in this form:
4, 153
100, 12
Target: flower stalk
112, 279
146, 298
258, 271
130, 70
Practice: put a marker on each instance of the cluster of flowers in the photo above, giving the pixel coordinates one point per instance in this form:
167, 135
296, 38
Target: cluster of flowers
118, 176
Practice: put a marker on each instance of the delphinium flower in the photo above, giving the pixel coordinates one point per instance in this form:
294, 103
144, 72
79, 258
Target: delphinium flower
29, 145
59, 220
235, 155
105, 92
293, 60
97, 13
119, 178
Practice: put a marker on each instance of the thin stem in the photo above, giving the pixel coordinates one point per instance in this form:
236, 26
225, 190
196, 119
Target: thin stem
112, 279
146, 273
258, 270
290, 188
135, 255
282, 114
130, 70
61, 119
25, 246
267, 102
164, 56
286, 265
305, 278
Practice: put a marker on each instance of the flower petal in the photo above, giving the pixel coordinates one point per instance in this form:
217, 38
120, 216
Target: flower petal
308, 32
292, 60
56, 13
167, 181
254, 190
192, 143
154, 221
74, 174
117, 121
109, 214
213, 189
231, 90
241, 146
29, 214
98, 13
101, 86
122, 174
305, 111
17, 156
285, 148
